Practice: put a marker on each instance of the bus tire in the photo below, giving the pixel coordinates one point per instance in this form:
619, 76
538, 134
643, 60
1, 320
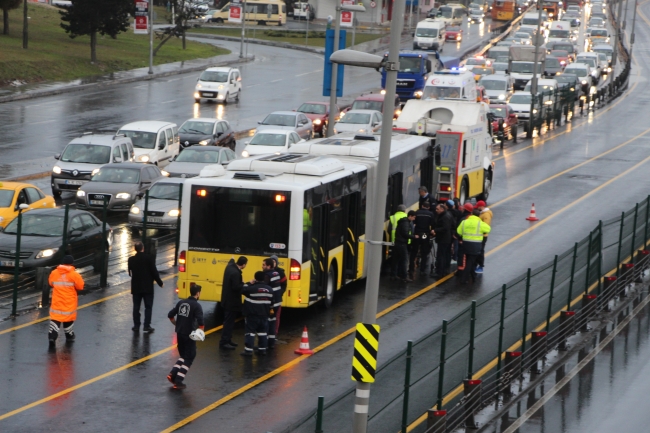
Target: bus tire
463, 194
487, 185
330, 289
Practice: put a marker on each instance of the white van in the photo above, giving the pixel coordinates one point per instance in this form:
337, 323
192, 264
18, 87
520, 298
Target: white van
450, 84
154, 142
429, 35
560, 31
452, 14
530, 19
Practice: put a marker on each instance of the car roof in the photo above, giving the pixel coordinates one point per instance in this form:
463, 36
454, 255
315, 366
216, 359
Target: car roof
496, 77
363, 111
170, 180
498, 105
370, 97
147, 125
98, 139
275, 131
316, 102
57, 211
220, 69
14, 185
203, 119
293, 113
207, 148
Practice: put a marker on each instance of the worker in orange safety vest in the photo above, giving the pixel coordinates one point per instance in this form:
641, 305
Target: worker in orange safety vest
65, 282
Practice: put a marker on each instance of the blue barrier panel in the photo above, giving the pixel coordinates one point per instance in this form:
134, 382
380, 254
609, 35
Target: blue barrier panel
327, 69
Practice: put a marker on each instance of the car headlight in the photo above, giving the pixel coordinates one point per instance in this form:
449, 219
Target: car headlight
584, 81
123, 196
203, 142
143, 158
174, 213
343, 112
502, 96
94, 172
245, 154
135, 210
56, 169
317, 122
198, 86
197, 95
383, 91
573, 89
81, 193
46, 253
534, 110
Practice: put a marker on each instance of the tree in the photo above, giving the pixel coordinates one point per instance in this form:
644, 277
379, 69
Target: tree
183, 12
89, 17
6, 6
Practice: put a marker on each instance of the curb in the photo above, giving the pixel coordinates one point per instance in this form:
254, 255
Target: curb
258, 42
70, 89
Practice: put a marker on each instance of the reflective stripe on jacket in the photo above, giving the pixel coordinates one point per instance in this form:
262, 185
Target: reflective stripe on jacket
471, 231
65, 282
394, 219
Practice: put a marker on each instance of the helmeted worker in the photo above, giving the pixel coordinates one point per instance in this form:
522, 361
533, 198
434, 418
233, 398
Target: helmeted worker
394, 219
471, 231
65, 282
277, 302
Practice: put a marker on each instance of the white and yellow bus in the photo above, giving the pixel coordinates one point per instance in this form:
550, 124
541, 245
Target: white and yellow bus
266, 12
308, 207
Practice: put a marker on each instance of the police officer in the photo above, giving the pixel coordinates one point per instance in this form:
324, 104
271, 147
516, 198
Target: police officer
277, 306
425, 197
187, 316
423, 227
274, 280
394, 220
258, 297
471, 231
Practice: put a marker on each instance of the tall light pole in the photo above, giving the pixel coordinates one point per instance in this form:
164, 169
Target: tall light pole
376, 224
243, 29
150, 37
636, 2
333, 87
533, 82
617, 30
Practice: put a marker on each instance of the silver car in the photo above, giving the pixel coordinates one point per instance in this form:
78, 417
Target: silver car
121, 185
191, 160
289, 120
162, 206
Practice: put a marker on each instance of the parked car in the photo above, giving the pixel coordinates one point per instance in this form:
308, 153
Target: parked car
206, 132
190, 162
318, 113
85, 154
270, 141
290, 121
42, 237
162, 207
504, 119
154, 142
361, 121
121, 185
219, 84
13, 194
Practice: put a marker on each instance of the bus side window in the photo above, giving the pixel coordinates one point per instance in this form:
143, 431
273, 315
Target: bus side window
464, 161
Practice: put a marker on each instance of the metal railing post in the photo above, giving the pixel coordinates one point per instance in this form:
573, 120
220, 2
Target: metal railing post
14, 296
178, 219
573, 271
144, 221
647, 215
600, 257
588, 262
103, 277
319, 415
525, 327
620, 245
441, 368
501, 328
64, 235
472, 329
550, 296
407, 386
636, 212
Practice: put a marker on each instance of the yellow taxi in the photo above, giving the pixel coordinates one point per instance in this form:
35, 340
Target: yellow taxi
479, 71
13, 194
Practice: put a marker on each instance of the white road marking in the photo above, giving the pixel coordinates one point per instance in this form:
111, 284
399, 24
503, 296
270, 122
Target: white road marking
168, 102
44, 121
307, 73
275, 81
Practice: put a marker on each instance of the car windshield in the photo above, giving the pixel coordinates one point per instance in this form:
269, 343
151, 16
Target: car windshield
589, 61
367, 105
203, 156
117, 175
498, 112
578, 71
552, 62
525, 68
165, 191
425, 32
439, 92
143, 140
500, 66
473, 61
453, 29
565, 79
493, 84
86, 153
280, 120
522, 35
194, 127
214, 76
37, 225
482, 71
359, 118
562, 34
313, 108
599, 32
269, 140
6, 197
409, 64
605, 51
565, 47
602, 57
559, 53
445, 12
523, 98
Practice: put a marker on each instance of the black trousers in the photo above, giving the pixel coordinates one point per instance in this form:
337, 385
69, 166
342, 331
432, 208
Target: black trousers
401, 257
229, 318
187, 353
481, 257
443, 259
148, 306
256, 325
423, 247
470, 268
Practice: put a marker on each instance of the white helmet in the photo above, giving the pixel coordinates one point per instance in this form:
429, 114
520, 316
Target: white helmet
198, 335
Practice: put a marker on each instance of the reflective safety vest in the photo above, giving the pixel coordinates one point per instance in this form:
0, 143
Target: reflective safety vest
393, 223
65, 282
472, 229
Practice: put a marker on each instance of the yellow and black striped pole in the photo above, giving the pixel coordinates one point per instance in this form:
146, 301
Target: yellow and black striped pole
366, 346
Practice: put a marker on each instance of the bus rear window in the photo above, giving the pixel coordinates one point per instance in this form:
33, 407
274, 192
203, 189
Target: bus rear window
239, 221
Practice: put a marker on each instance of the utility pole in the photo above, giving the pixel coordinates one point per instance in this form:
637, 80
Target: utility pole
335, 70
243, 30
617, 30
636, 2
150, 37
533, 82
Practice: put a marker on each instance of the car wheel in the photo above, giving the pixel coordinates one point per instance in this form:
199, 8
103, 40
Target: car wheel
225, 100
219, 21
487, 185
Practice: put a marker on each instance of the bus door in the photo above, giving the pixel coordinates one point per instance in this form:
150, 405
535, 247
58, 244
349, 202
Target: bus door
351, 206
319, 250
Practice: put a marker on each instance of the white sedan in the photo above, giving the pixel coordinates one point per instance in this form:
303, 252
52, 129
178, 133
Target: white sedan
363, 121
270, 141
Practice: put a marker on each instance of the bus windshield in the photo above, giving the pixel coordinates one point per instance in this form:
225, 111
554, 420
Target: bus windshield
239, 221
445, 12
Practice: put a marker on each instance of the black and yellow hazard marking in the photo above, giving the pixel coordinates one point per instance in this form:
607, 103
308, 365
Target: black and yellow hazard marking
366, 345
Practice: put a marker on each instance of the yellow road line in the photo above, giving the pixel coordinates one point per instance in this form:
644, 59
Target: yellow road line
89, 304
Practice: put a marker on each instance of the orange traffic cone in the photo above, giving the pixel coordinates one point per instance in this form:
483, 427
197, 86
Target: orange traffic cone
304, 344
533, 216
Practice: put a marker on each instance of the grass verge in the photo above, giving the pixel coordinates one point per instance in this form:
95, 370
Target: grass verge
53, 56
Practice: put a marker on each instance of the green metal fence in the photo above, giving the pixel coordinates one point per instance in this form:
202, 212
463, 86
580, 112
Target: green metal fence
431, 372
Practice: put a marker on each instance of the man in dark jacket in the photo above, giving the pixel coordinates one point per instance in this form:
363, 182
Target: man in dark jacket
424, 220
425, 197
277, 302
257, 307
143, 273
443, 230
400, 250
186, 316
231, 299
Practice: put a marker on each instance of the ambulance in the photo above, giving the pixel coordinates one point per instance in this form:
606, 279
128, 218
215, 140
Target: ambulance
455, 83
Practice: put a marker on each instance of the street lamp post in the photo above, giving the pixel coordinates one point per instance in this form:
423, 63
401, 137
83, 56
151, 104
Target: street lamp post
14, 298
632, 32
376, 224
533, 82
333, 87
617, 31
150, 37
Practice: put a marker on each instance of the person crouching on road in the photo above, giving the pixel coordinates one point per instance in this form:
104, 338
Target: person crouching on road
258, 297
184, 315
65, 282
486, 216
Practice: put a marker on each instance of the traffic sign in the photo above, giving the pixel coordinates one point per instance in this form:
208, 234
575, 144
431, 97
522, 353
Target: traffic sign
366, 346
373, 4
235, 13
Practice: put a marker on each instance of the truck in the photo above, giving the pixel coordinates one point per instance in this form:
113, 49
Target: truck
463, 144
414, 68
521, 63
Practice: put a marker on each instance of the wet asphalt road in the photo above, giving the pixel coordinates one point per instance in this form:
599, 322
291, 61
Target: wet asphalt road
138, 397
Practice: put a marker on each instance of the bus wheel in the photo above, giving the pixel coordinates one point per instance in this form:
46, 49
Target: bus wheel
487, 186
330, 289
464, 191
